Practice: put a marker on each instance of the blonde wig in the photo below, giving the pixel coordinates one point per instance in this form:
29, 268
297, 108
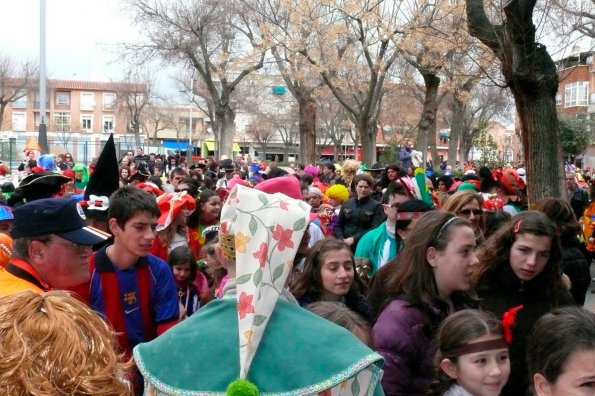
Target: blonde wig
53, 344
350, 167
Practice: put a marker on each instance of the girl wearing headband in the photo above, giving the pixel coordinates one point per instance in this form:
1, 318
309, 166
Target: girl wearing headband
430, 281
472, 357
519, 280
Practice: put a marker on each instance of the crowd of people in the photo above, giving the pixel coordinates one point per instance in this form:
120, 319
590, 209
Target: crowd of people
167, 276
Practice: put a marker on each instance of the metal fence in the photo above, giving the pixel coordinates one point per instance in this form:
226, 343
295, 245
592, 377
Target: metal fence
82, 148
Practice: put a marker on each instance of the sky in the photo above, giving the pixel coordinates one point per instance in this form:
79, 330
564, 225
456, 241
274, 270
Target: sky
80, 36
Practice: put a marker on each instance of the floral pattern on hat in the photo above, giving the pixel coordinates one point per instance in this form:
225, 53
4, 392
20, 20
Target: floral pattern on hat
268, 229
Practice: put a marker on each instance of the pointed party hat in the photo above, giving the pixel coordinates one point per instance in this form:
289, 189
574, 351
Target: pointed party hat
103, 182
262, 233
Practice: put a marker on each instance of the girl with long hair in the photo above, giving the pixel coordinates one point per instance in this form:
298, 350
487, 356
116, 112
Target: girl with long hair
206, 214
329, 275
431, 279
519, 278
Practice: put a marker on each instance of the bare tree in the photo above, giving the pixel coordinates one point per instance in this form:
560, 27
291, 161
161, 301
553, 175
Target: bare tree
16, 81
263, 131
288, 130
214, 38
335, 122
133, 98
531, 75
158, 118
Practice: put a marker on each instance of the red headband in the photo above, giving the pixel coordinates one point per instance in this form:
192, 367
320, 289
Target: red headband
482, 346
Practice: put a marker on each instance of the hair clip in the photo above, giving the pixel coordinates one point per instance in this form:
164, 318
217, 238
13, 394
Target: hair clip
42, 309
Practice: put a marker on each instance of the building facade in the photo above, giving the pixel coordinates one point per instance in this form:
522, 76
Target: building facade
575, 98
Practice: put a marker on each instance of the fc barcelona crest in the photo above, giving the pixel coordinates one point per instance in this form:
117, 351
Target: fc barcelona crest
130, 298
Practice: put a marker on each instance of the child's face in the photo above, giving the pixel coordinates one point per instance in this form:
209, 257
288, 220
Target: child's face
482, 373
138, 234
334, 202
181, 272
210, 210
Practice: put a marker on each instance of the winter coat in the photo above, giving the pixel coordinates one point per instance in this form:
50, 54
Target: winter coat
576, 266
358, 216
502, 291
403, 335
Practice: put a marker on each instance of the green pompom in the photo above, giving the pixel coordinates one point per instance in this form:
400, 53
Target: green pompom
242, 387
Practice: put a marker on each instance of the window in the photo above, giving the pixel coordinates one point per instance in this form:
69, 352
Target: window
576, 94
109, 101
87, 123
108, 124
19, 121
20, 103
558, 99
62, 121
62, 98
87, 101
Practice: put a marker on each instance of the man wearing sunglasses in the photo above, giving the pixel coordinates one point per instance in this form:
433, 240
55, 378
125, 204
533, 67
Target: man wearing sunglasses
379, 245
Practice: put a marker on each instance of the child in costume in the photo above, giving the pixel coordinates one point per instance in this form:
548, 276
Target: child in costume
472, 356
171, 225
183, 266
296, 355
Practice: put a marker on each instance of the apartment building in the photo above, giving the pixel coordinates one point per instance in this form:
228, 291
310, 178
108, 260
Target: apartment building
575, 97
80, 115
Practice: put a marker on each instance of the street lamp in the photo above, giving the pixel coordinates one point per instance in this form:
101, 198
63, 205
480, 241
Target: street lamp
190, 150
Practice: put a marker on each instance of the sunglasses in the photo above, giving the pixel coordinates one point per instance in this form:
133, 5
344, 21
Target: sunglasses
467, 212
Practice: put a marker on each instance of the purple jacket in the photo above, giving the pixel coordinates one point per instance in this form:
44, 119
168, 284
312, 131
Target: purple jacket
403, 335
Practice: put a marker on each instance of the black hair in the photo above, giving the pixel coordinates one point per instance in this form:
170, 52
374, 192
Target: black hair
555, 337
183, 255
193, 220
127, 202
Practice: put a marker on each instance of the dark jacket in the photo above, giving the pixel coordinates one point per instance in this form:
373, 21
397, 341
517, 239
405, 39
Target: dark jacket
576, 266
403, 335
579, 200
355, 301
504, 290
358, 216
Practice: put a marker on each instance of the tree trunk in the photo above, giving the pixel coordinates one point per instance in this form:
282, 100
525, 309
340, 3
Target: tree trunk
2, 110
456, 128
367, 134
532, 77
307, 111
539, 123
136, 127
427, 124
225, 127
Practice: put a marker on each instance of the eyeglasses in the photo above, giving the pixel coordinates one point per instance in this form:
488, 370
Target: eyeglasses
467, 212
80, 248
182, 189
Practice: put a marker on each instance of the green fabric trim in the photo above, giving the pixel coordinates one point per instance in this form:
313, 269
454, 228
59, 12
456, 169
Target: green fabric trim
298, 354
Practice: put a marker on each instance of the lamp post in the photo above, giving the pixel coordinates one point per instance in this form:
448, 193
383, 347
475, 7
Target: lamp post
190, 150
